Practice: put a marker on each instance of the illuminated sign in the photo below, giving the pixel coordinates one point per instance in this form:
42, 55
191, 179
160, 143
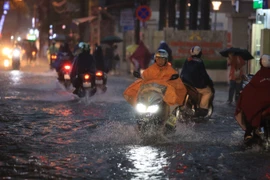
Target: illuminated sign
257, 4
31, 37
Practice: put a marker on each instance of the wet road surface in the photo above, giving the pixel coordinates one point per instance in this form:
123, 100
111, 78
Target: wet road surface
46, 132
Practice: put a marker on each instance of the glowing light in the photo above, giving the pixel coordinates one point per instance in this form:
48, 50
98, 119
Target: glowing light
216, 5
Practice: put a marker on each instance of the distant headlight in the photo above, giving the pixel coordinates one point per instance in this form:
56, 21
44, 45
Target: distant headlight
16, 53
6, 51
141, 108
6, 63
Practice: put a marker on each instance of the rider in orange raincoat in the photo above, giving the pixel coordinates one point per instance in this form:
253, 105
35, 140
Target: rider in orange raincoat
160, 72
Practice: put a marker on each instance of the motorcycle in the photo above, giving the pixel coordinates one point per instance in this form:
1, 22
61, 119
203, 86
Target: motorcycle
64, 73
16, 59
264, 135
87, 86
33, 56
153, 111
192, 104
53, 58
101, 81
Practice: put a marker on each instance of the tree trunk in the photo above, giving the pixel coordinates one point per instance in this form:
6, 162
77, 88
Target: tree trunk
183, 15
162, 14
171, 12
205, 15
193, 14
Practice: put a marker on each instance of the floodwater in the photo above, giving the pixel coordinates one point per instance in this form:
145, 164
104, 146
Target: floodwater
46, 132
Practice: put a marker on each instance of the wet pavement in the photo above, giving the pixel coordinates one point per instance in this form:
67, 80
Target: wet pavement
46, 132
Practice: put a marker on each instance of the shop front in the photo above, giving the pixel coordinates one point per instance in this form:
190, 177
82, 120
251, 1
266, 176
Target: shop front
260, 43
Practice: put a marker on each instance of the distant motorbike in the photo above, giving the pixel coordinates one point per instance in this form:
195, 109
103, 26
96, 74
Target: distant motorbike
33, 56
265, 118
101, 80
64, 73
53, 58
87, 86
192, 103
153, 111
16, 59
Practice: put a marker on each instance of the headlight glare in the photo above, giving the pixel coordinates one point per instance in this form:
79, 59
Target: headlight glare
141, 108
152, 109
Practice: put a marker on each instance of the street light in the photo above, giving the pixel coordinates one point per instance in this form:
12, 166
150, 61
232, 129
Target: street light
216, 6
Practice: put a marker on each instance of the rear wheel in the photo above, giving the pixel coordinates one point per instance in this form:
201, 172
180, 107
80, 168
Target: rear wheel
210, 111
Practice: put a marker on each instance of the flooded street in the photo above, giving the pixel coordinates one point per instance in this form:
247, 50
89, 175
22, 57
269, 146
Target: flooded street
46, 132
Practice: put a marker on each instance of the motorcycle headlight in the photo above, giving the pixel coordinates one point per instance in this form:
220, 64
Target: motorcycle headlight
143, 109
16, 53
152, 109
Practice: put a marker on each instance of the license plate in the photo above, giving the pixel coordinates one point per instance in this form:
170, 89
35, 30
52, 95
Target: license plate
86, 84
66, 76
99, 81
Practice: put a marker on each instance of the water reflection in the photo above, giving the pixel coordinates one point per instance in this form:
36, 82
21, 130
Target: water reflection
15, 76
149, 162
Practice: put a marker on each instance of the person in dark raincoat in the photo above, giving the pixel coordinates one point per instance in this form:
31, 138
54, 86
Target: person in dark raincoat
254, 101
195, 74
99, 59
83, 63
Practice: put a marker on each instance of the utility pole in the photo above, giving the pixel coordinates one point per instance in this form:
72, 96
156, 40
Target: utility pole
137, 24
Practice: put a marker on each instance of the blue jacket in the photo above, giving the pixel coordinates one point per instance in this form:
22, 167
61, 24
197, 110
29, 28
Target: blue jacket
194, 73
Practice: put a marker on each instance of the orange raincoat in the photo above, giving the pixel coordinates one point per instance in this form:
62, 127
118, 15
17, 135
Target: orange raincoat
176, 90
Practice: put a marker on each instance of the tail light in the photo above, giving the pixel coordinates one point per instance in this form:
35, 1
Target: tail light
33, 53
99, 73
53, 56
67, 67
86, 76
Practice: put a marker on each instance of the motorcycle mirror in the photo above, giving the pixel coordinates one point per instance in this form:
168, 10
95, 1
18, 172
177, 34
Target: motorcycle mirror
136, 74
174, 76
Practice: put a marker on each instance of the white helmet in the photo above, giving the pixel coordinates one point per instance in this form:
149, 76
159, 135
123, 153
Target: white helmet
195, 51
265, 61
84, 46
162, 53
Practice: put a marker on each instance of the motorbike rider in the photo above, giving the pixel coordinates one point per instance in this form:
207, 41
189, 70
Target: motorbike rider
64, 51
194, 73
83, 63
52, 50
249, 110
160, 72
99, 59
